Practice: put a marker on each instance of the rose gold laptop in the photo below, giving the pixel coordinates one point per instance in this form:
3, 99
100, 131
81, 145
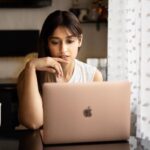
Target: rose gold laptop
89, 112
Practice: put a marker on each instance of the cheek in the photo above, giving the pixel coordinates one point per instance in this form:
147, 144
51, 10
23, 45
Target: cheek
75, 54
53, 50
74, 50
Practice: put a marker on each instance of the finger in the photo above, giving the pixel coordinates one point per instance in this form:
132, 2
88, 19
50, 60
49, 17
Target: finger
44, 64
51, 70
60, 60
48, 69
58, 68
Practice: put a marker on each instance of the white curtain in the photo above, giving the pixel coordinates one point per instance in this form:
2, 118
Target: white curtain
129, 56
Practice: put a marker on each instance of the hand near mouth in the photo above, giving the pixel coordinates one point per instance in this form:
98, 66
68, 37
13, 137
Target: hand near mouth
49, 64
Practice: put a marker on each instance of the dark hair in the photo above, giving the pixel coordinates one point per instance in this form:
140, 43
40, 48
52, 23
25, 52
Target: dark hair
54, 20
57, 18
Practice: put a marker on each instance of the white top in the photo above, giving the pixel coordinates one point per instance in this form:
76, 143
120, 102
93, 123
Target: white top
82, 72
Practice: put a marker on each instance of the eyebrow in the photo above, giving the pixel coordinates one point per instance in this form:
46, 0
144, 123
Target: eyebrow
55, 37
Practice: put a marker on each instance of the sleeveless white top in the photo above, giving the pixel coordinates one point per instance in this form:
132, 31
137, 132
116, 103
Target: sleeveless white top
82, 72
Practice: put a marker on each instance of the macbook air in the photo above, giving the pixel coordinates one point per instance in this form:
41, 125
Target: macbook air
86, 112
89, 146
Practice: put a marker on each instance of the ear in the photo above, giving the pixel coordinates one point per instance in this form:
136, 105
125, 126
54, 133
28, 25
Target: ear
80, 40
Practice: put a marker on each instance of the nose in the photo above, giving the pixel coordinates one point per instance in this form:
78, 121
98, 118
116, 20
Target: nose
63, 47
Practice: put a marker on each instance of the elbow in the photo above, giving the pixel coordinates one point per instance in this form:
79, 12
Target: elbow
29, 123
33, 126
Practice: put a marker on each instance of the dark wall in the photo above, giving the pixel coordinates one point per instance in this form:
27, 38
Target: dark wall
18, 42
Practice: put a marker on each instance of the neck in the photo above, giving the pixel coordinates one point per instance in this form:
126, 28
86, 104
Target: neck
68, 70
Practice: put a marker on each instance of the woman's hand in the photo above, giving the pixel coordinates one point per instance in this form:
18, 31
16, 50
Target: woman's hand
49, 64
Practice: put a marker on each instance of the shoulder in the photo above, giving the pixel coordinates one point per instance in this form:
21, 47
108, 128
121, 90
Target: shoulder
98, 76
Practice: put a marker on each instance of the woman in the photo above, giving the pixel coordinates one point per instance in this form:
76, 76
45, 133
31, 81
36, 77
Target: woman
59, 42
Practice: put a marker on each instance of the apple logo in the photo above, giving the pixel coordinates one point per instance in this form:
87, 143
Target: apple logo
87, 112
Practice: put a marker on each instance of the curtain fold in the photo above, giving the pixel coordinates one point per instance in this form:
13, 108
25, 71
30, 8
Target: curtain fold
129, 56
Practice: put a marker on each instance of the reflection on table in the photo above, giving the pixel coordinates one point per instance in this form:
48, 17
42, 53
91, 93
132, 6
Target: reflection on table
31, 140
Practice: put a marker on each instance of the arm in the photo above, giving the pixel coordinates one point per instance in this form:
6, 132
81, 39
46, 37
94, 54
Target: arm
30, 110
98, 76
30, 102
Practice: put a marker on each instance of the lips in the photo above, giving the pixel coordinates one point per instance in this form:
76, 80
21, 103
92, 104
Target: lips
64, 56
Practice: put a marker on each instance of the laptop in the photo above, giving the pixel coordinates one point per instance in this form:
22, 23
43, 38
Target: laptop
89, 146
86, 112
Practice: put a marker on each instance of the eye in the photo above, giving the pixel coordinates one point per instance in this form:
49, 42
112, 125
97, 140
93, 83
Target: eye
70, 40
54, 42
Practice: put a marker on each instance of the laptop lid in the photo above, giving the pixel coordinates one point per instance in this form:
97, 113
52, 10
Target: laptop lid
90, 112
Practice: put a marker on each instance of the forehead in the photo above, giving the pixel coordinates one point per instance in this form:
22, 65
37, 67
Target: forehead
61, 31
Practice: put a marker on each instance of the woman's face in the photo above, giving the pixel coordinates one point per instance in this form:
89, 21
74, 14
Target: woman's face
63, 44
